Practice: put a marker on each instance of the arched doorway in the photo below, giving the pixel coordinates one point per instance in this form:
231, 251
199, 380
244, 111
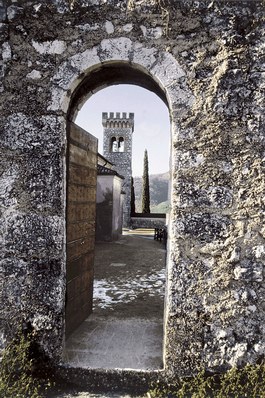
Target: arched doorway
120, 60
80, 286
129, 274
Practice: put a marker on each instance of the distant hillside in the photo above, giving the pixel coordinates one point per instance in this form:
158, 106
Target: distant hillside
162, 207
158, 192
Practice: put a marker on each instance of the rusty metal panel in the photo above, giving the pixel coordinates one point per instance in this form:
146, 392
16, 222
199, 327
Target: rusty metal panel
80, 222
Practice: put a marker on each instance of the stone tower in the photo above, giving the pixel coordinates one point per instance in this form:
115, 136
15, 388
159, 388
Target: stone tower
117, 147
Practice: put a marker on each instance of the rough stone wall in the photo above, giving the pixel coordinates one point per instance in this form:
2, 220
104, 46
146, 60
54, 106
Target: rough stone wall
140, 222
215, 289
218, 184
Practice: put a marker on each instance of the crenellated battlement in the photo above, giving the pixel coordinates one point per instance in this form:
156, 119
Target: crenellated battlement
117, 115
118, 120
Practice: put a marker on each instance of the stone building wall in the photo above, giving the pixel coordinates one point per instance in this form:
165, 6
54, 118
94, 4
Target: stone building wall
141, 222
203, 58
109, 207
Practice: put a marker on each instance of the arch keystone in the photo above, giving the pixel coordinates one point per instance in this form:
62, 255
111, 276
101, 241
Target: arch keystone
115, 49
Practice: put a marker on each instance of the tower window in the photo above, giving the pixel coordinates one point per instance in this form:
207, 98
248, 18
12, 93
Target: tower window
114, 146
121, 144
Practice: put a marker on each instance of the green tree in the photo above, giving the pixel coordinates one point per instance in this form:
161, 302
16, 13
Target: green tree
132, 197
145, 191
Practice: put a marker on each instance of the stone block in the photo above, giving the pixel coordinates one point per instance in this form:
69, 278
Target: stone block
146, 57
167, 71
34, 235
191, 195
23, 132
2, 12
203, 227
115, 49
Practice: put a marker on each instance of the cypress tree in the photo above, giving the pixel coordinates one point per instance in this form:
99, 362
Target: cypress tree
132, 198
145, 192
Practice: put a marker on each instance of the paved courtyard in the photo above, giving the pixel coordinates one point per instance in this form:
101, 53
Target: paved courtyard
126, 327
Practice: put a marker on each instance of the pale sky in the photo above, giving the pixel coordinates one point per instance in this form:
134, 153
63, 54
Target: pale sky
151, 123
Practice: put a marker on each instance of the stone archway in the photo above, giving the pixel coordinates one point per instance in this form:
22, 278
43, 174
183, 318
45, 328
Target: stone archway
122, 61
147, 67
216, 253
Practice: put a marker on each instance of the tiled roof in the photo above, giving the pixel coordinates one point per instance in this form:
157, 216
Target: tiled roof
102, 170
